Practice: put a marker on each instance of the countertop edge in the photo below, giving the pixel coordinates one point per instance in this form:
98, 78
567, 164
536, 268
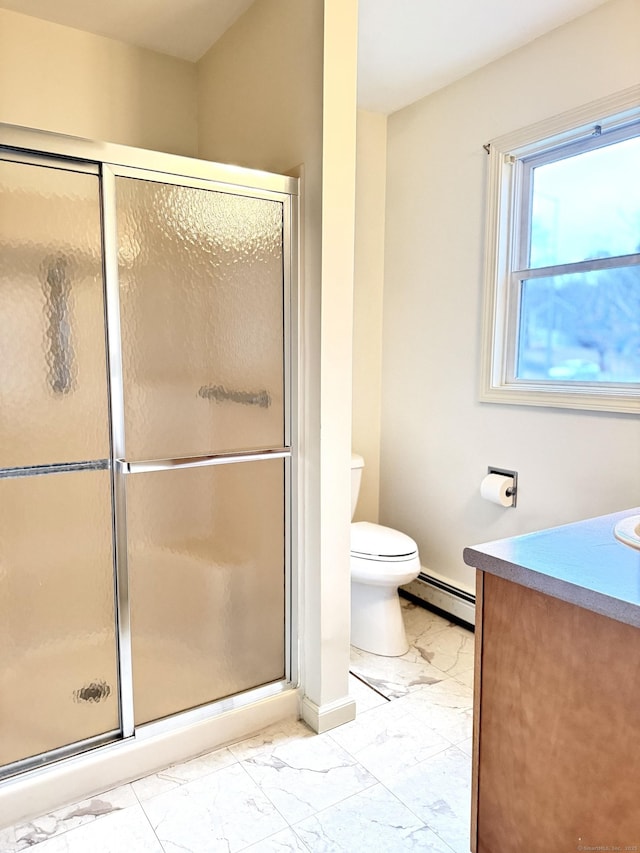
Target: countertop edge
597, 602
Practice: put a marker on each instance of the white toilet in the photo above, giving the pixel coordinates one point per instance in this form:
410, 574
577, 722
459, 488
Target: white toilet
382, 559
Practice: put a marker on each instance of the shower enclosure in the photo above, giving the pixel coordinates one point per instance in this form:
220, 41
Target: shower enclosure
145, 441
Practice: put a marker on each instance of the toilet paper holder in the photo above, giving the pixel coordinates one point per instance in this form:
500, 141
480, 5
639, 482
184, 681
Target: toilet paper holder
512, 491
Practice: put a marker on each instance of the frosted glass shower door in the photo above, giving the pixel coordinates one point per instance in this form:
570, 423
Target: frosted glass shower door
203, 317
206, 564
58, 658
201, 302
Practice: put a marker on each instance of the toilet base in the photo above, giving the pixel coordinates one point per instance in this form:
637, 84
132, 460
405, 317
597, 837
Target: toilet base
376, 620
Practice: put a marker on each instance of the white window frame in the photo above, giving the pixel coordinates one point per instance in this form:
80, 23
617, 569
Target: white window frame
506, 245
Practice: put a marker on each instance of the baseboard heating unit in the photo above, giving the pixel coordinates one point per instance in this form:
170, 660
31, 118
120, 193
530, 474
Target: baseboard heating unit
439, 594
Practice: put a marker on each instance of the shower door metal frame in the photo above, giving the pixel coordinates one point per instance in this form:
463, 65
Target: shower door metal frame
124, 468
111, 161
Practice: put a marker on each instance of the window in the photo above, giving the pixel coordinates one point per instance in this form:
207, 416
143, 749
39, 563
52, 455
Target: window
562, 311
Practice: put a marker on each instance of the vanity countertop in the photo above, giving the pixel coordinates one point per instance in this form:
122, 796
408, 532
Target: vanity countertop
580, 563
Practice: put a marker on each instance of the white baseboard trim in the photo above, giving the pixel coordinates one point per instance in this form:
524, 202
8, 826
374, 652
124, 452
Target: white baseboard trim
329, 716
438, 592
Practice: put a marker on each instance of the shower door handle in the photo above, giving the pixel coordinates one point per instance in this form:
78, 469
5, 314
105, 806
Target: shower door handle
144, 467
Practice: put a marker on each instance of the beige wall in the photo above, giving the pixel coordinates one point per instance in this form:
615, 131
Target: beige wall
59, 79
371, 173
260, 90
437, 439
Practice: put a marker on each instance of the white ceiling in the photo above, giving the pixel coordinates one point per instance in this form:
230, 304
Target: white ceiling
407, 48
410, 48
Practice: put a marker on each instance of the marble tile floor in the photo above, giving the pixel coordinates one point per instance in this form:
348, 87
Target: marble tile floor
395, 779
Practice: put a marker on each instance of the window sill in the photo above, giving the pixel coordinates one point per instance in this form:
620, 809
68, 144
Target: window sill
623, 399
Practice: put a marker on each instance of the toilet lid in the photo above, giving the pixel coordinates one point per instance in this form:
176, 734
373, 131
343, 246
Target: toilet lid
374, 540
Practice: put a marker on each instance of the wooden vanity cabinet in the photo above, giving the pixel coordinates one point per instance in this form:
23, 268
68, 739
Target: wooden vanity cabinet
556, 758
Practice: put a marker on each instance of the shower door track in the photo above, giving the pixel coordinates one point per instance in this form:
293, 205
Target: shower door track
111, 160
42, 761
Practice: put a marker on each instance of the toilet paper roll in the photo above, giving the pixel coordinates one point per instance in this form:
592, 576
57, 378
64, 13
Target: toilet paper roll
494, 488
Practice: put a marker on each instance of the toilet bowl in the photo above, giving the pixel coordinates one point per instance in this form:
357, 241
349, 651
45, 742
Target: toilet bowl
382, 559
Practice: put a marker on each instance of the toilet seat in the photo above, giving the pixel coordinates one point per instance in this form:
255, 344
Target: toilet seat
382, 544
381, 556
384, 572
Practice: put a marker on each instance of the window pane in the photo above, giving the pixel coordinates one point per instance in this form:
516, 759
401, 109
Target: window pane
587, 206
581, 327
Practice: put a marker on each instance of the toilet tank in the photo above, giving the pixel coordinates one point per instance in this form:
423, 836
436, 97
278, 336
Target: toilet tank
357, 464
